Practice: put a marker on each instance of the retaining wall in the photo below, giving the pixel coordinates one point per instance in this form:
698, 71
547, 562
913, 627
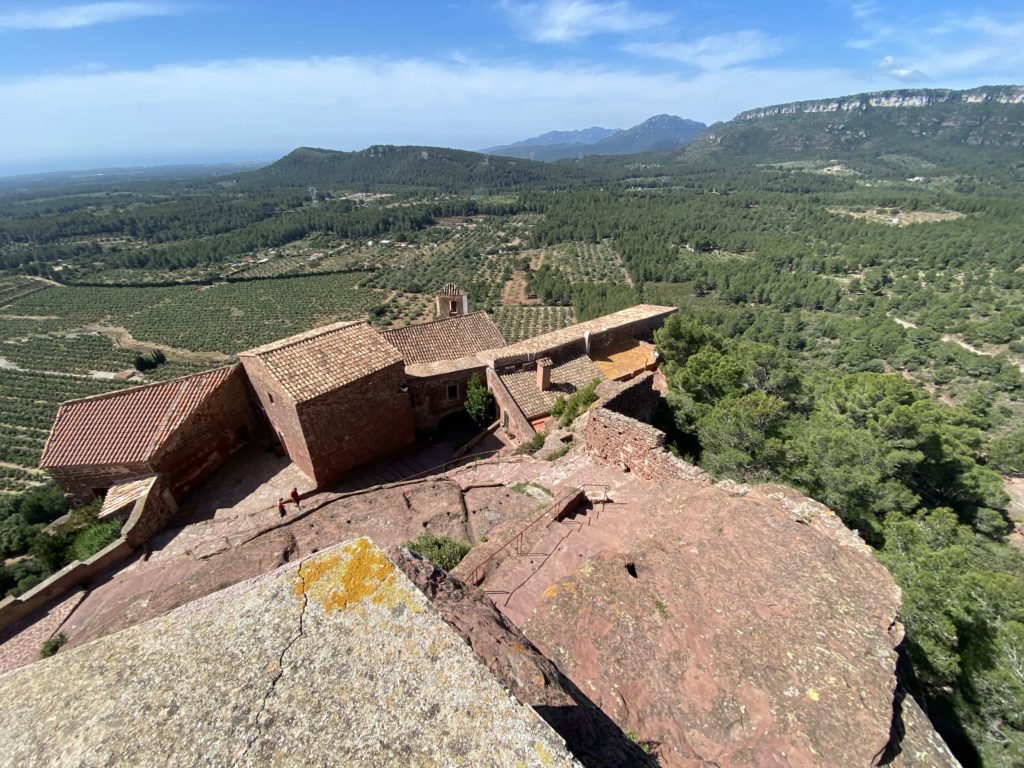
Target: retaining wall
632, 446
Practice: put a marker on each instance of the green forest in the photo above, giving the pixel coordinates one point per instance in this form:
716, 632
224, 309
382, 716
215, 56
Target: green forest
852, 324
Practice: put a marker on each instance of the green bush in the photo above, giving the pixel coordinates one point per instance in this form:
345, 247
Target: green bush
52, 645
578, 402
442, 551
94, 538
532, 445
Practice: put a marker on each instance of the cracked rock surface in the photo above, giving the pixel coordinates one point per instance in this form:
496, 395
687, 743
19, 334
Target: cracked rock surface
333, 660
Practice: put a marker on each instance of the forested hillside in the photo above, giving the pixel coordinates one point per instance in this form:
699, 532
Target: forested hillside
852, 297
389, 168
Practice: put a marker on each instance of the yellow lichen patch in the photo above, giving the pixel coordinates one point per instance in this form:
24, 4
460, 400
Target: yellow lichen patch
812, 694
543, 754
337, 583
567, 588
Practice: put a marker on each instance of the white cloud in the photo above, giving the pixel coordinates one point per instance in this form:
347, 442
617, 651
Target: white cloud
259, 108
74, 16
893, 68
559, 21
714, 51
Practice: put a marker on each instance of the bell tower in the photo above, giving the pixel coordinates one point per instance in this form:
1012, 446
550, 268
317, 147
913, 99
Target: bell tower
451, 301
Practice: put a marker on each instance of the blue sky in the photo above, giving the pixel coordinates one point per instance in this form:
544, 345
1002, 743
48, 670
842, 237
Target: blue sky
160, 81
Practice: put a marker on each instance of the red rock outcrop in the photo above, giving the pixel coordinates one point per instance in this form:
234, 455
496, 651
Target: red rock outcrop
533, 679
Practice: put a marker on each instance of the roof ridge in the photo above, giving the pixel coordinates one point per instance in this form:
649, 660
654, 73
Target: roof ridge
151, 385
298, 338
435, 320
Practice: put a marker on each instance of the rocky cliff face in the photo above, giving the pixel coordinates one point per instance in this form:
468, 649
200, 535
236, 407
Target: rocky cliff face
890, 99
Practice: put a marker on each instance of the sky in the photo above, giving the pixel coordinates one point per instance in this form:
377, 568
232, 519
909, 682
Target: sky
148, 82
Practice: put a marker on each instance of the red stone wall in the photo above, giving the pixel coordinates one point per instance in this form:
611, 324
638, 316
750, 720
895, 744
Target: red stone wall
362, 422
150, 515
79, 482
211, 435
518, 426
429, 395
633, 446
280, 412
636, 398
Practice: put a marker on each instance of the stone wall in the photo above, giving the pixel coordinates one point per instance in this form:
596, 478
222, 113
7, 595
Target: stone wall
150, 514
222, 424
510, 415
79, 482
636, 398
14, 609
430, 401
633, 446
280, 412
365, 421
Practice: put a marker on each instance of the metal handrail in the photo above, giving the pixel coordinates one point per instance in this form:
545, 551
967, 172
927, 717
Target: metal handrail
517, 539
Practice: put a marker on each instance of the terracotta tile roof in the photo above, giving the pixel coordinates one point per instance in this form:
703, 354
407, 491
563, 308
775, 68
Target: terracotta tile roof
450, 289
566, 377
127, 426
549, 342
448, 338
121, 495
324, 359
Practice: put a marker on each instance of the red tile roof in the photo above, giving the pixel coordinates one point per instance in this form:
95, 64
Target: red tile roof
127, 426
324, 359
566, 377
447, 338
120, 495
450, 289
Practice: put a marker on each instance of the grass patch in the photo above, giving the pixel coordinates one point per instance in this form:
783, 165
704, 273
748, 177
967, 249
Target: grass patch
532, 445
567, 410
559, 453
442, 551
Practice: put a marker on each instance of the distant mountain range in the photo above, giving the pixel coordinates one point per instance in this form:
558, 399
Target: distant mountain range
908, 132
658, 132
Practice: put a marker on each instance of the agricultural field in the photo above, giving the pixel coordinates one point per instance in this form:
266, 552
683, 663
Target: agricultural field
588, 262
30, 400
523, 322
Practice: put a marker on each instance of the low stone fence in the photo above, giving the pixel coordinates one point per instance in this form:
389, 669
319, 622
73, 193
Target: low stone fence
632, 446
14, 609
150, 514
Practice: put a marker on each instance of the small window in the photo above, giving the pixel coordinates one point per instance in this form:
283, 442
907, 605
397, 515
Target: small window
270, 397
453, 391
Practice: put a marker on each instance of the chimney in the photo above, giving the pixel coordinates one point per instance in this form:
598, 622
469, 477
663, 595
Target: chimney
544, 374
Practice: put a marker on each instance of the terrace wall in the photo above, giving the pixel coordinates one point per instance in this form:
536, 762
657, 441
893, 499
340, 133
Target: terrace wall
636, 398
14, 609
150, 514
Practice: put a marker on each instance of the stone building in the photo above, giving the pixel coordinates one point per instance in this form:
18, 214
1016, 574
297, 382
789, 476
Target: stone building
336, 397
527, 377
440, 357
451, 301
184, 428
